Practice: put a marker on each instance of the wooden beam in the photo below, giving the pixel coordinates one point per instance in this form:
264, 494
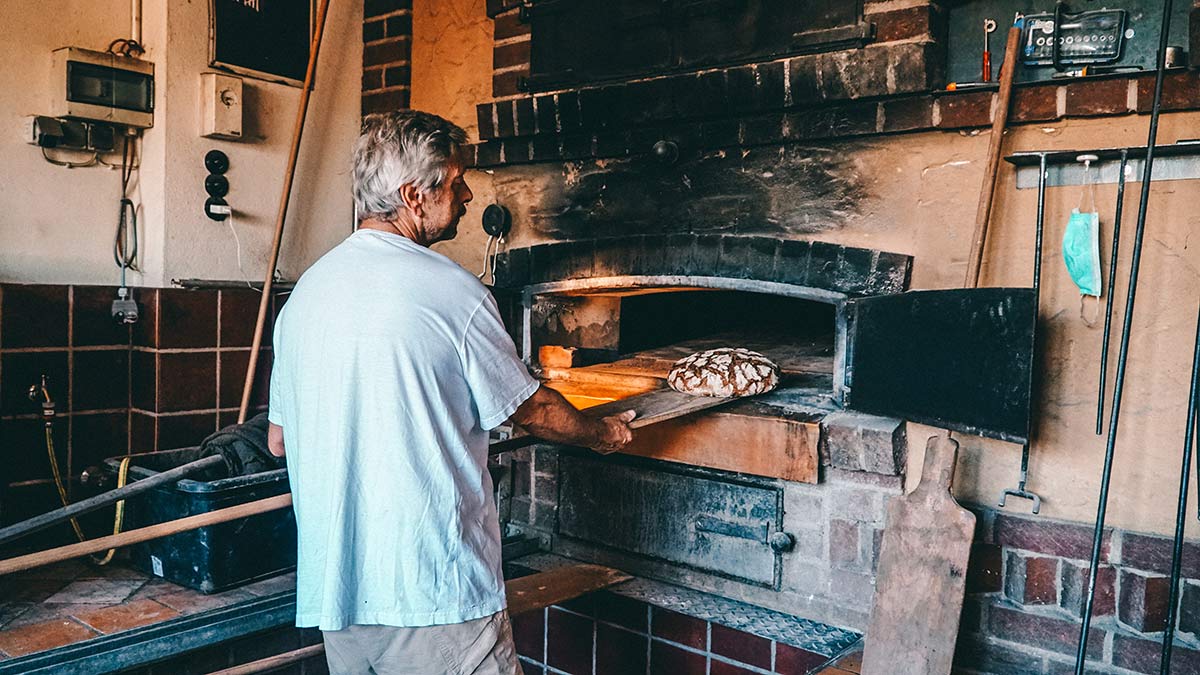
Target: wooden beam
776, 447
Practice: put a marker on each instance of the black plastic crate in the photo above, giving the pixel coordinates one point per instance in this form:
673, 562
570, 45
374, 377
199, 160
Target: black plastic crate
216, 557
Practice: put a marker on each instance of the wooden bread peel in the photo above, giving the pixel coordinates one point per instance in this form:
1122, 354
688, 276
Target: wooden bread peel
922, 574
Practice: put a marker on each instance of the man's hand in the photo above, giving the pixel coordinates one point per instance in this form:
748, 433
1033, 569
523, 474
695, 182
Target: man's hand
549, 416
617, 433
275, 439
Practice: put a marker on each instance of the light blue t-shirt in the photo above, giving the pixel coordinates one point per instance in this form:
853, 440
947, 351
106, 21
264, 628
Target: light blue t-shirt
391, 363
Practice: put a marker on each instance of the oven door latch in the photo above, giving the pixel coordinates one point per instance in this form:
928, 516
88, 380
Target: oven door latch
780, 542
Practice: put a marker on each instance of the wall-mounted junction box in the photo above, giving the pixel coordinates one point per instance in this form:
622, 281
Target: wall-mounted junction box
102, 87
220, 106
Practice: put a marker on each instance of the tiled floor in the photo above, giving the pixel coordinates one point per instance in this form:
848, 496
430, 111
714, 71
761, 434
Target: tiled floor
73, 601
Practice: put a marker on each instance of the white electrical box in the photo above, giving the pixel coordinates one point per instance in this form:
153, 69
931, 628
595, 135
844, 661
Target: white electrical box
102, 87
220, 106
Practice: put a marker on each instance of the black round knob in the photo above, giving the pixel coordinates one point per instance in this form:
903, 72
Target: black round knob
781, 542
666, 152
216, 161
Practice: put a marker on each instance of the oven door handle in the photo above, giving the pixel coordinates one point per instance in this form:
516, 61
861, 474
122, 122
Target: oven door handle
761, 532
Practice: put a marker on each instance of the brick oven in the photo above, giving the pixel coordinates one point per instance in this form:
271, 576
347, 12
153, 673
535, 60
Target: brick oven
669, 199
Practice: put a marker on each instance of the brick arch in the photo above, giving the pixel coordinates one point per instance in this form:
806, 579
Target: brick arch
841, 270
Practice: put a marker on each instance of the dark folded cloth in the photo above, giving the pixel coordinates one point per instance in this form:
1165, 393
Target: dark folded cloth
244, 447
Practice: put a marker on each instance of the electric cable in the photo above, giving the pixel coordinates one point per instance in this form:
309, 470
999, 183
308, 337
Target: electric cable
237, 242
125, 244
489, 256
95, 158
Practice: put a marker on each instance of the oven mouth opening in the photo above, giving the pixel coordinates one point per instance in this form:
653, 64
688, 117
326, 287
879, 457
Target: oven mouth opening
597, 347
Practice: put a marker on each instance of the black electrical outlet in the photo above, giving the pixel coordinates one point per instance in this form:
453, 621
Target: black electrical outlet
216, 161
216, 185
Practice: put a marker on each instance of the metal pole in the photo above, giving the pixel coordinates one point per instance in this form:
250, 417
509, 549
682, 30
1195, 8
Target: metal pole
1037, 297
1181, 509
1126, 327
57, 516
1112, 284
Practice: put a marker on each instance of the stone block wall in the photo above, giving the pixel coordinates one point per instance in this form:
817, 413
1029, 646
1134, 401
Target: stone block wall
387, 55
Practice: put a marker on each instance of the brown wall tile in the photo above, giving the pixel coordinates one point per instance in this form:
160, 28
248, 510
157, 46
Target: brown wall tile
95, 437
142, 432
187, 318
182, 431
145, 331
239, 312
233, 378
23, 449
187, 381
101, 380
33, 315
20, 370
144, 381
92, 323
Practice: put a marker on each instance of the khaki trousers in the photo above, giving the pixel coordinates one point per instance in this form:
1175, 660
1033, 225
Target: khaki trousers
479, 647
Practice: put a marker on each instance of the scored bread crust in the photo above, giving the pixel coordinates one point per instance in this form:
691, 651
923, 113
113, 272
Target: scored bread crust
727, 372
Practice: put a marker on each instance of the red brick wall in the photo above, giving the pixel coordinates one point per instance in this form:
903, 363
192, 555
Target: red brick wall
387, 55
1027, 580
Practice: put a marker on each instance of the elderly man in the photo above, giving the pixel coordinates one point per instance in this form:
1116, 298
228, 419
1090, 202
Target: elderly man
391, 365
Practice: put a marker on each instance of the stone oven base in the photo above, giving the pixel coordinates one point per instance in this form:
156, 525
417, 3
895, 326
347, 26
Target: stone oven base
645, 626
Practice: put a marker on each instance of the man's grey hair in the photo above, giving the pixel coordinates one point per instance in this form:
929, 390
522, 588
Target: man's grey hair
401, 148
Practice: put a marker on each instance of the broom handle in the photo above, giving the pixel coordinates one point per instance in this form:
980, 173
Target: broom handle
265, 302
57, 516
130, 537
984, 212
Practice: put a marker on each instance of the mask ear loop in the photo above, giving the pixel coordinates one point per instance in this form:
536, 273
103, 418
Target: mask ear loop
1090, 191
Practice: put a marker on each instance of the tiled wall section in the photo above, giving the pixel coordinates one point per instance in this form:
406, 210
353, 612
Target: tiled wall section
168, 381
607, 634
1026, 584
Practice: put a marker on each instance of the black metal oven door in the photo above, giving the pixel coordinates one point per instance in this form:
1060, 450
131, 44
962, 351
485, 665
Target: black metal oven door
960, 359
704, 520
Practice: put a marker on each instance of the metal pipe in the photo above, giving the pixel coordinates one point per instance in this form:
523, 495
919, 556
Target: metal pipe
135, 21
1037, 296
65, 513
1126, 327
1181, 509
1112, 284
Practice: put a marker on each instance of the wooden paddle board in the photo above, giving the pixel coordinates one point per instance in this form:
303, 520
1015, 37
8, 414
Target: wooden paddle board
922, 574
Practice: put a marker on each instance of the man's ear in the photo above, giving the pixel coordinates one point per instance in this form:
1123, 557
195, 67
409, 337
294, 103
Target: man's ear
413, 199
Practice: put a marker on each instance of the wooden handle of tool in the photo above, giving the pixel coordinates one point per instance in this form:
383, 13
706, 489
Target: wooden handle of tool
25, 562
289, 174
1007, 73
273, 662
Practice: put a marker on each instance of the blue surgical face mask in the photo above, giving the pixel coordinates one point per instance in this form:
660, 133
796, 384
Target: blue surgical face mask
1081, 251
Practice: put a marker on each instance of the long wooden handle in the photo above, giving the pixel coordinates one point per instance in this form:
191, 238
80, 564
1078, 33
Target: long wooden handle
21, 563
264, 303
273, 662
984, 212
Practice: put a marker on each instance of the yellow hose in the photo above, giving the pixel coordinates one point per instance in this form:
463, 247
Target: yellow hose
122, 476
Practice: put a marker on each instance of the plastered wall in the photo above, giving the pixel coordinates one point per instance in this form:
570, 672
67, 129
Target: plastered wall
920, 192
57, 224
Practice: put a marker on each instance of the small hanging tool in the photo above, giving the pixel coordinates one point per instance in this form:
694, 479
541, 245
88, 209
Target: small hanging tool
989, 27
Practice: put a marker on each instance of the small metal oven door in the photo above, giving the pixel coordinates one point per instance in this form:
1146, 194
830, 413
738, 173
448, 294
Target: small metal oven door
704, 520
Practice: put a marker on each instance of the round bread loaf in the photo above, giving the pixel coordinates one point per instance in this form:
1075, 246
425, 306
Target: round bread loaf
724, 373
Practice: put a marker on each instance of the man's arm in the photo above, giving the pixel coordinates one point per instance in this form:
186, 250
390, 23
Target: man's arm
546, 414
275, 439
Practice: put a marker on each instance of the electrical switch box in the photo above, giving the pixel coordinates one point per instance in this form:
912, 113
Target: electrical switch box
220, 106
